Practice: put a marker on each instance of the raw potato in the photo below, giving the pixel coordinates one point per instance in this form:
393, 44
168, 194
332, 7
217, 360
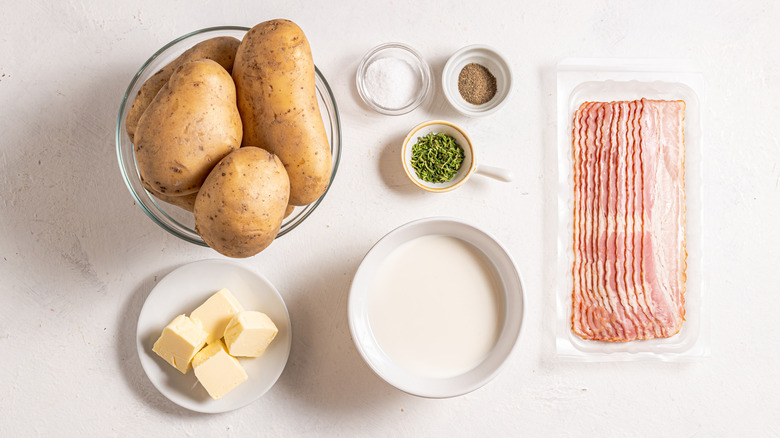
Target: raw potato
186, 202
239, 209
276, 96
190, 125
220, 49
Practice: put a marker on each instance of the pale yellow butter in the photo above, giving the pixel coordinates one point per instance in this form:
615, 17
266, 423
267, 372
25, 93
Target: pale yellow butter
218, 371
216, 312
180, 341
249, 333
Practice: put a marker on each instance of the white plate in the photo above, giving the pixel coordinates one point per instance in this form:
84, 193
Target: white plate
180, 292
511, 294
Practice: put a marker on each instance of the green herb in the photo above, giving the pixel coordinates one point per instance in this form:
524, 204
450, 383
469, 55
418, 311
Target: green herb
436, 157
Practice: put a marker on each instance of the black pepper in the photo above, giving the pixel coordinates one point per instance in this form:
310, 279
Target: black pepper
476, 84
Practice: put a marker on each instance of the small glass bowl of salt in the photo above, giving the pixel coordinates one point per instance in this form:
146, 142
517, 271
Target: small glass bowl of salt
393, 79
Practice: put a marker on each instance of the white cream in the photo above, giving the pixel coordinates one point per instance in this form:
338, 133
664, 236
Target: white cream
434, 307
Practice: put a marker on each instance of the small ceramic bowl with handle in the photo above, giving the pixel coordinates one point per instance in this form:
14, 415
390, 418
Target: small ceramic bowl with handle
468, 167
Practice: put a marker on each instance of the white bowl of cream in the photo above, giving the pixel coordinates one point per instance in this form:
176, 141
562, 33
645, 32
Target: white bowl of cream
436, 307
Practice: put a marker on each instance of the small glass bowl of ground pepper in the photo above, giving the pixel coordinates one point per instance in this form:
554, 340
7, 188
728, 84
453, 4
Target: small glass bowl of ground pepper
477, 80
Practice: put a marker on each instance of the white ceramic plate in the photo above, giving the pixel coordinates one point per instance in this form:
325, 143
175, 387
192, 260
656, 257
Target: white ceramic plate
510, 292
180, 292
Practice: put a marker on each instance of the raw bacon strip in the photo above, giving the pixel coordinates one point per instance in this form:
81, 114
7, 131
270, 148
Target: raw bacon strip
649, 153
594, 324
587, 211
628, 267
600, 218
607, 220
618, 206
605, 310
580, 323
672, 141
663, 194
639, 220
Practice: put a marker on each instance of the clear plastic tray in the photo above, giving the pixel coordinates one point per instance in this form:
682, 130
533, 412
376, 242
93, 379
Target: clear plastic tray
605, 80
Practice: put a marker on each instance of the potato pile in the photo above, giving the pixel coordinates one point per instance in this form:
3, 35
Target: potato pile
231, 131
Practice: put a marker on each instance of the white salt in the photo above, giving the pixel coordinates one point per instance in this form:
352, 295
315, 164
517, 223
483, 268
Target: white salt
391, 82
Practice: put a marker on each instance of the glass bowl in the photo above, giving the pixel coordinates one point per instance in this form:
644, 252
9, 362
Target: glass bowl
175, 220
420, 71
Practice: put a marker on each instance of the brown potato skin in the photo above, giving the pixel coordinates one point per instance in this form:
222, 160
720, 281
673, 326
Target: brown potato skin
288, 211
277, 98
190, 125
186, 202
220, 49
239, 209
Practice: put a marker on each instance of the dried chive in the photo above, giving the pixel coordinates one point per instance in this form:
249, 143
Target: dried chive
436, 157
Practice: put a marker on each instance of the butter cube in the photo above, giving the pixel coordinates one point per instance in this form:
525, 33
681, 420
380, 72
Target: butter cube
249, 333
215, 313
180, 341
218, 371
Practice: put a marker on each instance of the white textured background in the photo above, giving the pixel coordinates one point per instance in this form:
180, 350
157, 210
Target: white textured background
79, 258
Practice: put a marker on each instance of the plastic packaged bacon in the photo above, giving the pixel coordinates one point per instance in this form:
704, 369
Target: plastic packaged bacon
628, 269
